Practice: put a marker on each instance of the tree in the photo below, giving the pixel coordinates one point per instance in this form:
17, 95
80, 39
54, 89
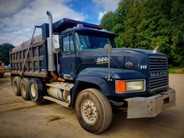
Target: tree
106, 21
4, 52
177, 34
146, 24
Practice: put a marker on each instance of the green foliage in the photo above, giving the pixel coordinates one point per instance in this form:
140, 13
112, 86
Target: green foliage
4, 53
106, 22
146, 24
176, 70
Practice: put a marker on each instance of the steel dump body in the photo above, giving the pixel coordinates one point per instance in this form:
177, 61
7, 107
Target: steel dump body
36, 64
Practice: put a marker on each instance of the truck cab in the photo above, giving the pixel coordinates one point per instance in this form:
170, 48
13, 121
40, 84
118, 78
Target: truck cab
77, 65
79, 47
82, 54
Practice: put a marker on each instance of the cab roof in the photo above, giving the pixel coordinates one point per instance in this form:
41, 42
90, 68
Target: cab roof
65, 23
89, 31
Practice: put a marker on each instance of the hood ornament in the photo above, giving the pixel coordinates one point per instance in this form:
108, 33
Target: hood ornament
155, 50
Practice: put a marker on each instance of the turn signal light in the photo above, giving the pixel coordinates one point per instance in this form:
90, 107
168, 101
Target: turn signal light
120, 86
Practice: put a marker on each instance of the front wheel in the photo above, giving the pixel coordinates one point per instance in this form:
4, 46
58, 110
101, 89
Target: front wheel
93, 110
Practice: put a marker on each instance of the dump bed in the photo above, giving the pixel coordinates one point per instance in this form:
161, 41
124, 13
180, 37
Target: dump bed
36, 64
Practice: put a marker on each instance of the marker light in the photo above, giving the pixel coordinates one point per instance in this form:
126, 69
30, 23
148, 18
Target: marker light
120, 86
128, 64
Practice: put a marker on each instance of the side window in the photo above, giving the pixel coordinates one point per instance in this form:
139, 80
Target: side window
71, 43
68, 44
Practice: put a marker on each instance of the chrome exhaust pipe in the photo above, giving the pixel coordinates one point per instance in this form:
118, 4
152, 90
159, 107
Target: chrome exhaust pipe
50, 24
51, 59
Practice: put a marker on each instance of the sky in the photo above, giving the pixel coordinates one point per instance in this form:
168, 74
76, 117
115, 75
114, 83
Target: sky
18, 17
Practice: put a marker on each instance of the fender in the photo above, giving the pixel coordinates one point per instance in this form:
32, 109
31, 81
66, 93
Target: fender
97, 76
101, 83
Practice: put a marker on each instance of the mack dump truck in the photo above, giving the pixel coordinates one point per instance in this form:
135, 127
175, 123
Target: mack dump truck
77, 65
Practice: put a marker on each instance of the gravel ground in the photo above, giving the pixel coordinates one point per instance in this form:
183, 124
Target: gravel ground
19, 118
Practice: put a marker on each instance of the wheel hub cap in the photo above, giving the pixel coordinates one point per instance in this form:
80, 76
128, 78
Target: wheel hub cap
89, 111
33, 90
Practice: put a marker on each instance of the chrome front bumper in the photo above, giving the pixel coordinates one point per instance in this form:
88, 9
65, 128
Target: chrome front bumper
142, 107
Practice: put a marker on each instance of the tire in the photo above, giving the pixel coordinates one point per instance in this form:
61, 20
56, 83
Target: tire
16, 85
25, 88
36, 90
93, 110
1, 75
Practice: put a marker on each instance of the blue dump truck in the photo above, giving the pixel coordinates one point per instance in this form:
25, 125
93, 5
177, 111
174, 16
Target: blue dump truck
77, 65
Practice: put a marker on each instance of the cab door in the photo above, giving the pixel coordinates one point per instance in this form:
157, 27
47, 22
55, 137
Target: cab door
67, 58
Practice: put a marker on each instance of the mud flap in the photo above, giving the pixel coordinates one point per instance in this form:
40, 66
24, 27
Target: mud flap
142, 107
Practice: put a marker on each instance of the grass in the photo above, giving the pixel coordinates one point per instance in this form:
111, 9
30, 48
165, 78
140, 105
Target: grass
176, 70
54, 117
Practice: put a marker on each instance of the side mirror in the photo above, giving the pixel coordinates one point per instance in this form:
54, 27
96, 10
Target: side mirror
108, 49
56, 47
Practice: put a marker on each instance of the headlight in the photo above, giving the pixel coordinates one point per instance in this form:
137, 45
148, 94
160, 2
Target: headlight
135, 86
130, 86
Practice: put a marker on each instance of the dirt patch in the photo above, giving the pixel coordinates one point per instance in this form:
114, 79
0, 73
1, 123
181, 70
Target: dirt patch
18, 109
5, 79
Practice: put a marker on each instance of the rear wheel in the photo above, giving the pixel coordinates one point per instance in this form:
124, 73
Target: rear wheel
16, 85
93, 110
36, 90
1, 75
25, 88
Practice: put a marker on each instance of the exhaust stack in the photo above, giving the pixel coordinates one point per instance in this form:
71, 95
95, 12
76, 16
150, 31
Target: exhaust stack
50, 23
51, 60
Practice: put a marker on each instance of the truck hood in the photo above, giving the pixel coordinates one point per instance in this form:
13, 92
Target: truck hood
114, 73
119, 52
133, 51
120, 57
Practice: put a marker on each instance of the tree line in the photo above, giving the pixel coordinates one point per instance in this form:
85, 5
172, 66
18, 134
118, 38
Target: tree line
146, 24
4, 52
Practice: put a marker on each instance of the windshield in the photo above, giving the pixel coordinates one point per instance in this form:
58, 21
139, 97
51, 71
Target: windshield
92, 41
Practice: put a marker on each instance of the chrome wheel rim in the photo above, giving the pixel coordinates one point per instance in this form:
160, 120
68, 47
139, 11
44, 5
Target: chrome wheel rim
89, 111
33, 90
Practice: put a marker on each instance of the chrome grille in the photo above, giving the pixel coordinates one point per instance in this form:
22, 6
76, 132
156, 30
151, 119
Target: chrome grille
158, 68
